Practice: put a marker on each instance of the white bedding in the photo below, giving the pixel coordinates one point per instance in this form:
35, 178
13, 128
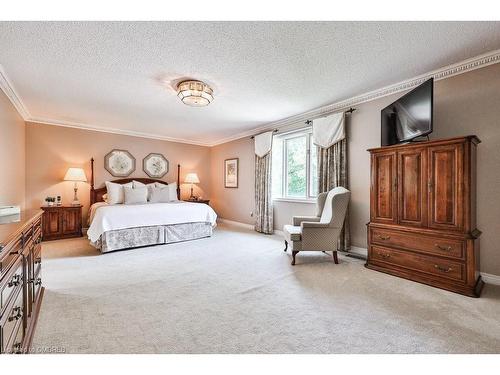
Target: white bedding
104, 217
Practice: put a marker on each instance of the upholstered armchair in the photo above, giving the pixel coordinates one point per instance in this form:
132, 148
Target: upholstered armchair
320, 232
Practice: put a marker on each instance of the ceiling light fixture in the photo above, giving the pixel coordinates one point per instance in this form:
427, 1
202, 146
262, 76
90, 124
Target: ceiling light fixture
195, 93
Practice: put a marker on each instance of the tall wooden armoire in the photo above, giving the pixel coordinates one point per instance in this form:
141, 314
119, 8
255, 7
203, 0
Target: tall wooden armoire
423, 213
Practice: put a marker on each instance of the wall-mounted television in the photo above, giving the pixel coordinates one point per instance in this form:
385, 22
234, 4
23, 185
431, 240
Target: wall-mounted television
409, 117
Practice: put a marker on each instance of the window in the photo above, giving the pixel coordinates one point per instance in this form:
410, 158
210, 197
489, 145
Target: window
294, 166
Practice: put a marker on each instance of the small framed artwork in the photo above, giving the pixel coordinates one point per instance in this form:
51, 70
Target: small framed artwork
231, 173
119, 163
155, 165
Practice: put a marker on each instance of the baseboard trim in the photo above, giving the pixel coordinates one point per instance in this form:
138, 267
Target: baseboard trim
363, 251
489, 278
235, 223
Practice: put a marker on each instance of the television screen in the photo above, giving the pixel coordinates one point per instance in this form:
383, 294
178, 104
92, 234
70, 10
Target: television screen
409, 117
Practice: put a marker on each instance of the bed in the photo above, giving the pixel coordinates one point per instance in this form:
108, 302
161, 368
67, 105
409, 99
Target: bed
122, 226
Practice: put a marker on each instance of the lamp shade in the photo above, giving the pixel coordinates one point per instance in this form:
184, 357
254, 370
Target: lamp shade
192, 178
75, 174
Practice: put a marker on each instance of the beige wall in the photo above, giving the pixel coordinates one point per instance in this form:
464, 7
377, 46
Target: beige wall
234, 203
51, 150
464, 104
12, 154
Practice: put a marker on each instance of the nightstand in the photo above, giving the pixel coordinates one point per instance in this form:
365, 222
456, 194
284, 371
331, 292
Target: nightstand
206, 201
61, 222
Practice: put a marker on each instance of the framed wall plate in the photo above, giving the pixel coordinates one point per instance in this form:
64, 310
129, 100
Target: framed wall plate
119, 163
155, 165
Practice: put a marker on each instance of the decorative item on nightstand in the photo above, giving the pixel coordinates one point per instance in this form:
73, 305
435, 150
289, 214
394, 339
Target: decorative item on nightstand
192, 178
198, 200
76, 175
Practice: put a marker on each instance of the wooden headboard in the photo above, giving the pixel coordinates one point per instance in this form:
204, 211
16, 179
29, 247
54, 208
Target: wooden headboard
97, 194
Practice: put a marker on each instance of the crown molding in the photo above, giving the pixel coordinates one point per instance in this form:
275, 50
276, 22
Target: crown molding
7, 87
480, 61
131, 133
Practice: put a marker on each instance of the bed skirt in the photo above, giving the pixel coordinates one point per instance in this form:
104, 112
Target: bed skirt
149, 236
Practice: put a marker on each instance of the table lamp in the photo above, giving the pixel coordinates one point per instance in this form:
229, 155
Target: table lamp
75, 175
192, 178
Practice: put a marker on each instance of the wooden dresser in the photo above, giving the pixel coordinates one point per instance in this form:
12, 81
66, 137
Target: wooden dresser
423, 214
21, 288
61, 222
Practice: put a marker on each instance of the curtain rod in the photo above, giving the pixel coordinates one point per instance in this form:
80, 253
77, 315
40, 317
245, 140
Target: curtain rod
253, 136
350, 110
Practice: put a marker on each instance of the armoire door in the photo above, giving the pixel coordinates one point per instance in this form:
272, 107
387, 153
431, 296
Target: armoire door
445, 188
412, 187
383, 190
71, 220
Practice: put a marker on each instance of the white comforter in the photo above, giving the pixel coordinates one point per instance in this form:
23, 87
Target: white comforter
122, 216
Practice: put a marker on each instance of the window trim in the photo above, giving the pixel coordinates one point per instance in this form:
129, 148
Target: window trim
308, 198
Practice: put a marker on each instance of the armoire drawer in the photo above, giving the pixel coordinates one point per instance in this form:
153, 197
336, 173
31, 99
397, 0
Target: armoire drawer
417, 242
9, 284
443, 268
11, 318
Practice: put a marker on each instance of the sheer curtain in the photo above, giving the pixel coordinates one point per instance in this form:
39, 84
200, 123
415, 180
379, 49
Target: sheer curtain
330, 137
263, 188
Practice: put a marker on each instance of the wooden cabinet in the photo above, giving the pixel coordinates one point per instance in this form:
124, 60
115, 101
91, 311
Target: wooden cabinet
422, 213
21, 289
62, 222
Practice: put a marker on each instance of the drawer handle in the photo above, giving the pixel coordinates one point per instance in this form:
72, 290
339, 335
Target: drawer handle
15, 281
443, 269
383, 238
383, 255
17, 348
17, 314
444, 248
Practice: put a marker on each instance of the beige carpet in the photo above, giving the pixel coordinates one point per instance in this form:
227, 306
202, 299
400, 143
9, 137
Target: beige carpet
237, 293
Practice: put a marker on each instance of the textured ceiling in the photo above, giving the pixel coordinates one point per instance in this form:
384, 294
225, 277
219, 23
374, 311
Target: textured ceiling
120, 74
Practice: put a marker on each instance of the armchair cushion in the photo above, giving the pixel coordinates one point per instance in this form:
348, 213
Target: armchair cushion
292, 233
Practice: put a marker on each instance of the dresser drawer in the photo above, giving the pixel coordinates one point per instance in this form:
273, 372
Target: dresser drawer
9, 255
9, 284
28, 234
422, 243
11, 318
37, 235
443, 268
14, 346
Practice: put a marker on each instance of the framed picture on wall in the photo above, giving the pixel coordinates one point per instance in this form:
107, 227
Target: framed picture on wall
119, 163
155, 165
231, 173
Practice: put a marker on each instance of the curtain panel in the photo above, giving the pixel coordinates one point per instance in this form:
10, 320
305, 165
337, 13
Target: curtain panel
263, 200
332, 172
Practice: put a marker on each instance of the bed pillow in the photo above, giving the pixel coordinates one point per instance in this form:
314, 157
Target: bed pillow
159, 194
136, 196
136, 184
115, 192
173, 191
